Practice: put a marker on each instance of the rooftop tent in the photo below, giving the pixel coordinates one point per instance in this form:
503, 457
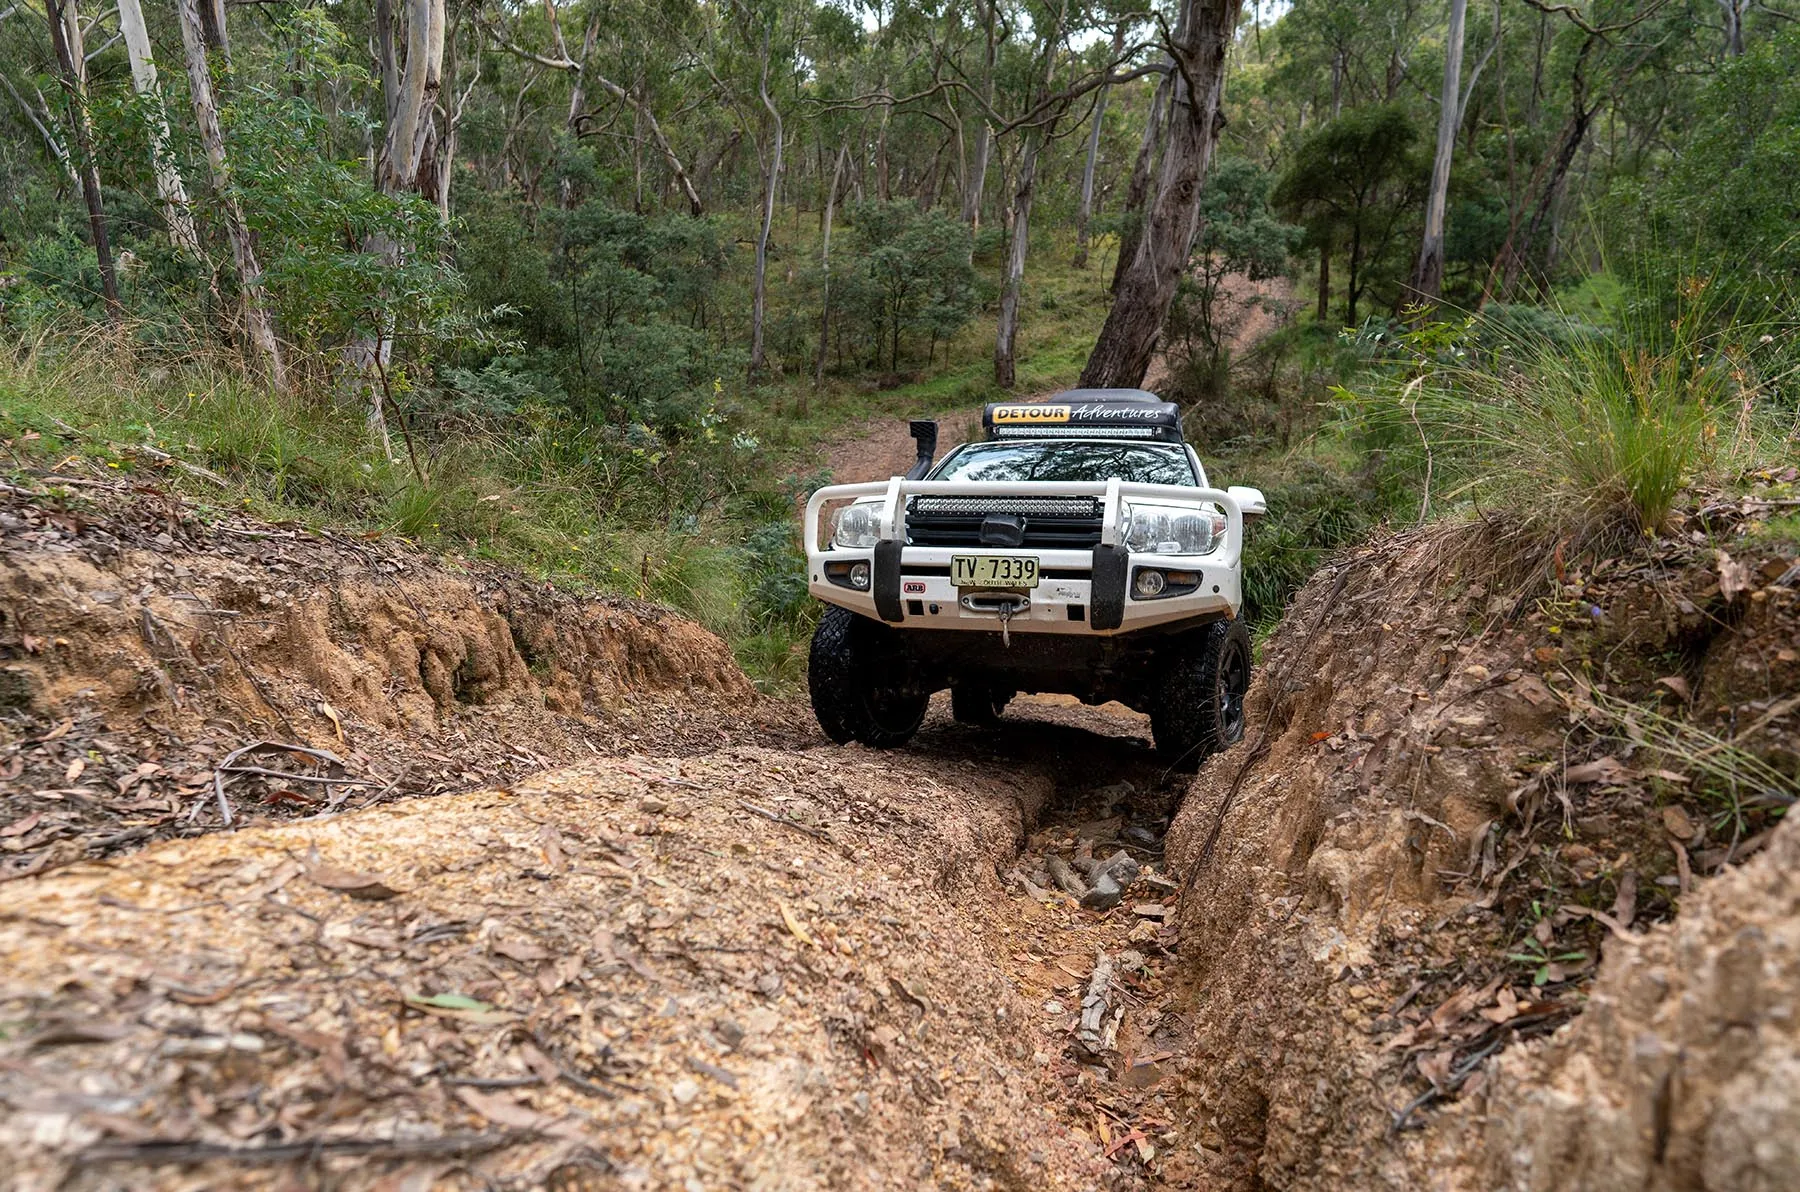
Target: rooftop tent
1086, 414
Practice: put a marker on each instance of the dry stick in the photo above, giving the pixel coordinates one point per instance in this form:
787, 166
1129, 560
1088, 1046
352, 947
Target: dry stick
169, 1151
387, 395
230, 766
777, 818
318, 778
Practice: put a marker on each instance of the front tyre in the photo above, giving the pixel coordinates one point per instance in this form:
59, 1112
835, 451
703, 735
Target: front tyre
1198, 706
857, 679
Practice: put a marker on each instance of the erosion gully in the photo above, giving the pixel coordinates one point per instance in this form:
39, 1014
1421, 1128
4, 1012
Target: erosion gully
760, 967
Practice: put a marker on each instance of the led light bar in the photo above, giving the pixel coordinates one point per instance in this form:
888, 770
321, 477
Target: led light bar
1041, 506
1078, 432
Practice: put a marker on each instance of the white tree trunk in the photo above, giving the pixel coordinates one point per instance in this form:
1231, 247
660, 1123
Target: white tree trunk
409, 106
1428, 274
759, 295
1084, 215
257, 323
837, 174
169, 188
1007, 334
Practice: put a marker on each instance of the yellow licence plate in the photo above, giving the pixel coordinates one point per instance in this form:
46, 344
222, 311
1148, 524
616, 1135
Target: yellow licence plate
993, 571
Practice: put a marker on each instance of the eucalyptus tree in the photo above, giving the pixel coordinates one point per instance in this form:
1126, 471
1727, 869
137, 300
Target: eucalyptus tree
1198, 48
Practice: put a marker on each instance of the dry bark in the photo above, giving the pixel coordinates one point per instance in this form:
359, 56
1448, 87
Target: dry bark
1141, 301
65, 35
1428, 273
257, 323
169, 187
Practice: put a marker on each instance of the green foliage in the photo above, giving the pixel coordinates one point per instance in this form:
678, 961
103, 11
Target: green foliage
1315, 507
1589, 436
907, 275
1356, 185
1728, 207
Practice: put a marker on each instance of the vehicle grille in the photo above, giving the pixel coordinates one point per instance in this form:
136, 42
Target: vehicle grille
1051, 523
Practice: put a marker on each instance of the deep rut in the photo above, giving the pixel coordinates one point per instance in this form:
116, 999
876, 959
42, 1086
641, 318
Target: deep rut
753, 968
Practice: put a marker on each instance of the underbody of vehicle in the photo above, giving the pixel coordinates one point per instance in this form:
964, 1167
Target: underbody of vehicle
1078, 549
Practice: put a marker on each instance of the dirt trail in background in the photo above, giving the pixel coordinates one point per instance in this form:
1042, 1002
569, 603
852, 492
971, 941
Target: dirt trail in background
879, 447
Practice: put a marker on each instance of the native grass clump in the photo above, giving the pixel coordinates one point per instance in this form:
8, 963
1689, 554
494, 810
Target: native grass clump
1575, 439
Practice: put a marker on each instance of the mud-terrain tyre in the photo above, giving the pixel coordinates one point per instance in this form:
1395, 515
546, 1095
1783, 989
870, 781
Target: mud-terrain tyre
1198, 707
977, 704
847, 659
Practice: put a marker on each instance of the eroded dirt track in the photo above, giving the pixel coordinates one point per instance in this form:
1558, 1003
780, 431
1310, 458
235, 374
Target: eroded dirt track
752, 968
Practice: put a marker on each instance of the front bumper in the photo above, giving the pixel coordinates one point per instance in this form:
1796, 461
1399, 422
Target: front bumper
1080, 592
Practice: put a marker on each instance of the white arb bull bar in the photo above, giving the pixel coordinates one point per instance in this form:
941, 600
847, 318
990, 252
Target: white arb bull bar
1105, 568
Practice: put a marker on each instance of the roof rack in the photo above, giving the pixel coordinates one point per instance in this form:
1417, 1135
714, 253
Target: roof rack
1086, 414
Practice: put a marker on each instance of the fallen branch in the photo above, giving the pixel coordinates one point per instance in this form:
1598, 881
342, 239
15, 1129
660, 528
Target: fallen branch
776, 817
162, 1150
230, 766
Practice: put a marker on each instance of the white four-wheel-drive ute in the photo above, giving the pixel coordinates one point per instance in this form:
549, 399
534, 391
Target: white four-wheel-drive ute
1077, 549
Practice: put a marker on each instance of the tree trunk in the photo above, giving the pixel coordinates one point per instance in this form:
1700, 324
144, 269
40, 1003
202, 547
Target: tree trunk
1428, 273
695, 206
65, 36
578, 92
389, 65
169, 187
1733, 11
882, 180
212, 25
1084, 214
1131, 219
1006, 339
837, 174
1121, 355
257, 324
759, 293
1324, 309
704, 171
410, 136
976, 181
421, 77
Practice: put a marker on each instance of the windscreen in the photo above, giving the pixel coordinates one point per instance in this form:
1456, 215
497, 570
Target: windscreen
1135, 463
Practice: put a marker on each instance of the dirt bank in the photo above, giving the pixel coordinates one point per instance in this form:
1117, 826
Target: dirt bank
143, 641
1456, 800
1462, 912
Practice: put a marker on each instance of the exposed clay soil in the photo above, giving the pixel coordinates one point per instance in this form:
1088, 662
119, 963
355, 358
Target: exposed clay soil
1456, 876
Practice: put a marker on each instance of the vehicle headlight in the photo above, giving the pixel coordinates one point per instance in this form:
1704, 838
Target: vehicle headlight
857, 526
1168, 529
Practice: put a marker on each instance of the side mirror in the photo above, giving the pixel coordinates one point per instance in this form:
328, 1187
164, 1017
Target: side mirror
1250, 500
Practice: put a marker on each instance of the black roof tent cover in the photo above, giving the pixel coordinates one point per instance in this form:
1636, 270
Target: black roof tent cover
1084, 414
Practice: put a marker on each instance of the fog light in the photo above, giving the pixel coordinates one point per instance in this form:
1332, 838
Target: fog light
859, 576
1148, 584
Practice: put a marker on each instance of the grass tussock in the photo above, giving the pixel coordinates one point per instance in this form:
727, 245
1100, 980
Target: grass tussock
1578, 441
